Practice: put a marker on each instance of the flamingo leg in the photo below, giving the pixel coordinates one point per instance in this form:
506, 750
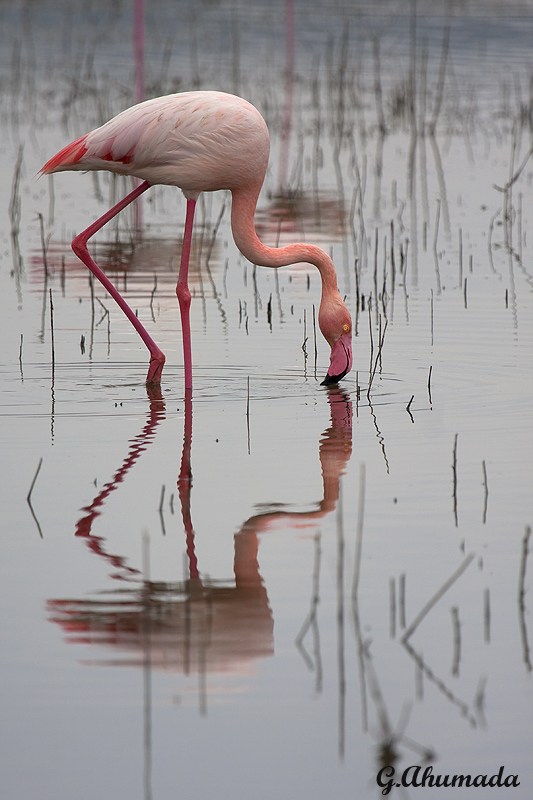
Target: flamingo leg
185, 486
79, 245
184, 294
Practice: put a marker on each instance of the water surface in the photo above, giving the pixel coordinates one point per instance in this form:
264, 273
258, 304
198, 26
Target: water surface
319, 583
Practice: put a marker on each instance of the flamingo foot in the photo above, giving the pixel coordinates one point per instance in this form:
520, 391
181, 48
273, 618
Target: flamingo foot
157, 362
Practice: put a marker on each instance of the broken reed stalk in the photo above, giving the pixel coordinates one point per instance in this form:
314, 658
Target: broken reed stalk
310, 622
436, 597
489, 239
506, 189
43, 245
15, 202
521, 596
63, 275
28, 497
52, 334
20, 356
429, 385
486, 487
152, 295
104, 315
479, 701
357, 292
454, 469
377, 359
161, 517
408, 407
403, 255
456, 625
523, 562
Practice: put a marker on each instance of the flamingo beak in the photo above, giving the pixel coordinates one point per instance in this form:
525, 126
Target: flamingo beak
341, 359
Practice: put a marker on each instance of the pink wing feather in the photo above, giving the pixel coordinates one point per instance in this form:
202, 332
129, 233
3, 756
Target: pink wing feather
199, 141
116, 143
67, 157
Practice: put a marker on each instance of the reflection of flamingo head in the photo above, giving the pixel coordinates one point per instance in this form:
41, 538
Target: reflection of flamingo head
336, 325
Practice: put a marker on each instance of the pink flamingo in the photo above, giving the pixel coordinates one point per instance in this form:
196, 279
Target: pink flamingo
200, 141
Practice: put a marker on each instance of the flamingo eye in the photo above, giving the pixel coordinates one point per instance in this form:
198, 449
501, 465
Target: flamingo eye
346, 328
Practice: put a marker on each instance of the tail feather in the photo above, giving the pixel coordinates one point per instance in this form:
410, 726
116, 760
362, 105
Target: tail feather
67, 158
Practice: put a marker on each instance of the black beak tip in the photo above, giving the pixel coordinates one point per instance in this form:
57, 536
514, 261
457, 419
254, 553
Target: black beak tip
329, 380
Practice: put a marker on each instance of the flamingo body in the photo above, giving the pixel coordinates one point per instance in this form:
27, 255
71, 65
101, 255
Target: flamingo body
202, 141
199, 141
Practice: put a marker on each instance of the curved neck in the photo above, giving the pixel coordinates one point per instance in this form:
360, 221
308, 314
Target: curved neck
243, 206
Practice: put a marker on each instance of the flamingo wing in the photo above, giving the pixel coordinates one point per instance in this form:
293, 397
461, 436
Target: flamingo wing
199, 141
133, 137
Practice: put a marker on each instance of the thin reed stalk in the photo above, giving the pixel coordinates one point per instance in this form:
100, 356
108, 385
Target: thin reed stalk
52, 335
436, 597
28, 498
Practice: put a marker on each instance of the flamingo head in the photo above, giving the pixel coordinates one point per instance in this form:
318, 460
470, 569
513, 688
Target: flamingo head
340, 362
337, 330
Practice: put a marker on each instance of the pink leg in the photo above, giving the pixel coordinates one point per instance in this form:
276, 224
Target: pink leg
79, 245
185, 486
184, 295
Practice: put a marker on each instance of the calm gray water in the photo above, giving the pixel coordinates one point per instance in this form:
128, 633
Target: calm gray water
326, 583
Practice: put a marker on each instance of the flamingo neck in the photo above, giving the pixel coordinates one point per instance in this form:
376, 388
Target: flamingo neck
243, 207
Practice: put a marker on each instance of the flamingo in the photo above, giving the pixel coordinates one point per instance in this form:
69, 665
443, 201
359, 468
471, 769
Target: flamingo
200, 142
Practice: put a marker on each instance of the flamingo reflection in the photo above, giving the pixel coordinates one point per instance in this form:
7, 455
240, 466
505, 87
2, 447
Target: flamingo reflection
198, 625
137, 445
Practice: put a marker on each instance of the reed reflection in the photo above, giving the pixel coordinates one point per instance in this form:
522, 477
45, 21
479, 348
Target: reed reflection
197, 625
289, 213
